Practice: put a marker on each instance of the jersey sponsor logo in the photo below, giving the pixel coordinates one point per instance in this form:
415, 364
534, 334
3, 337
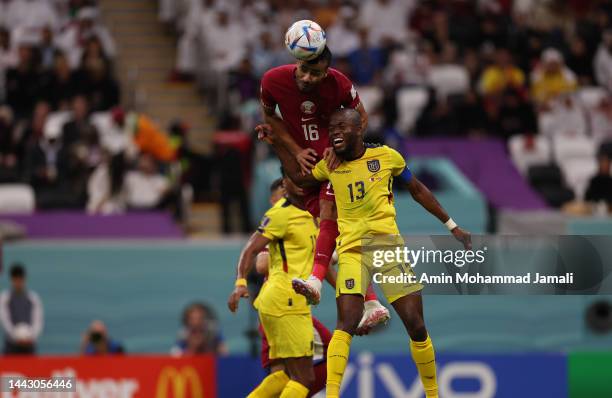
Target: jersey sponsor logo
183, 382
349, 283
308, 107
373, 165
341, 171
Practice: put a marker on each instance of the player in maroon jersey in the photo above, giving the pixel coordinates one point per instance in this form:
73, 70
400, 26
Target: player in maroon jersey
307, 93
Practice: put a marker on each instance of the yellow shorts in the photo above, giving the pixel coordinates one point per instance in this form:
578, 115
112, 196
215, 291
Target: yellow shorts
289, 336
356, 270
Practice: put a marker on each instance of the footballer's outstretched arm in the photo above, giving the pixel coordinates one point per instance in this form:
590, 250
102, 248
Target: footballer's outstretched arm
292, 167
257, 242
306, 157
426, 198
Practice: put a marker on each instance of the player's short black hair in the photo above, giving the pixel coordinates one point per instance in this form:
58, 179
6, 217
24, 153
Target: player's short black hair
325, 56
276, 184
18, 271
353, 115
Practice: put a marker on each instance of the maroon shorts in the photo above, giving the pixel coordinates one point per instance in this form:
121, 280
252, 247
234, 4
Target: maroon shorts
312, 197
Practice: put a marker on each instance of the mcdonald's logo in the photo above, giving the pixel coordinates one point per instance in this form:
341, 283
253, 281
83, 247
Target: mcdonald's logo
180, 380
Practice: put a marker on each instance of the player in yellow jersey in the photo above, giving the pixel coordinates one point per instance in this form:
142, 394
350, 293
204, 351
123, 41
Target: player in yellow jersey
290, 232
366, 216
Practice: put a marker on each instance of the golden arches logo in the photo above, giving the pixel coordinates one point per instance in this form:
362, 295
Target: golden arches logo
180, 380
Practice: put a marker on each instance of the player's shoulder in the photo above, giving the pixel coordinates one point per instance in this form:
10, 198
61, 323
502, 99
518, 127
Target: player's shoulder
337, 75
282, 207
382, 150
279, 73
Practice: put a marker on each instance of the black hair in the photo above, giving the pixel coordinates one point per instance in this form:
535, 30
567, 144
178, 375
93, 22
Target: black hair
354, 115
325, 56
276, 184
18, 271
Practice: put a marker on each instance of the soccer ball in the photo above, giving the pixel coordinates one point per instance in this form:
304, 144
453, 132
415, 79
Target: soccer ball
305, 40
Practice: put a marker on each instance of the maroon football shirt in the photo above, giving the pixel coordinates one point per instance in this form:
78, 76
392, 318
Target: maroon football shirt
307, 114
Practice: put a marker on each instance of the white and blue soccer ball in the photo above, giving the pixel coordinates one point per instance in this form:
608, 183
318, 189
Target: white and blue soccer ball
305, 40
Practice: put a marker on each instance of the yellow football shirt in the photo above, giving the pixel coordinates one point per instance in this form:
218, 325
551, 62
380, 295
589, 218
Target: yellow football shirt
364, 198
293, 234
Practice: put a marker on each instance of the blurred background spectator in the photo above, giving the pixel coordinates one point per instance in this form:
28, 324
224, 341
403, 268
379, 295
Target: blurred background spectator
97, 341
21, 314
200, 332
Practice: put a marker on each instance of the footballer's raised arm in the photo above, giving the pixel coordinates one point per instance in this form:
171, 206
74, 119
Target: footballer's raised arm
421, 194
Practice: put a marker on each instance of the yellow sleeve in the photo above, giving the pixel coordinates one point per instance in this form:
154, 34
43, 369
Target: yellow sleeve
273, 224
398, 164
320, 171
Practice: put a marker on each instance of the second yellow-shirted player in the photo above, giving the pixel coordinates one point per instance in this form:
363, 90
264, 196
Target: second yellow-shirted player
290, 234
366, 221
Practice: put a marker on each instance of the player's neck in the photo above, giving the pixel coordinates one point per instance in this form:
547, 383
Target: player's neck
356, 153
295, 201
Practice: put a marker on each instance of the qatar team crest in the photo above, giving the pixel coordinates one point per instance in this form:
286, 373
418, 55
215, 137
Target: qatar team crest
308, 107
373, 165
349, 283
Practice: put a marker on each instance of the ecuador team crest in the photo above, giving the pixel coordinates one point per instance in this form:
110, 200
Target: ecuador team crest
373, 165
349, 283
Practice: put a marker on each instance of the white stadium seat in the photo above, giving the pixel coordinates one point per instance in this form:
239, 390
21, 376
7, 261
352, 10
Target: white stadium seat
16, 198
566, 148
578, 173
410, 103
523, 157
449, 79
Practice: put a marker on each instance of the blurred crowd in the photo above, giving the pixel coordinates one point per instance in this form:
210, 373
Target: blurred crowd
482, 68
64, 139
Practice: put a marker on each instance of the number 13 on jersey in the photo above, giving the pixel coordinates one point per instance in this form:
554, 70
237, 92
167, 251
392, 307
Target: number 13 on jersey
358, 192
311, 132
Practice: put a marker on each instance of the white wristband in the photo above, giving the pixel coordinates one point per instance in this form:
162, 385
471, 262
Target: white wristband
450, 224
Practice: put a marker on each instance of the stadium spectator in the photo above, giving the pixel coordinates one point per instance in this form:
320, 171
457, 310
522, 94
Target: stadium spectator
501, 75
22, 83
600, 186
551, 77
8, 59
25, 17
145, 188
580, 61
9, 155
78, 127
601, 120
342, 35
60, 83
74, 38
366, 62
96, 82
105, 186
603, 61
21, 314
386, 20
96, 341
200, 332
268, 53
516, 116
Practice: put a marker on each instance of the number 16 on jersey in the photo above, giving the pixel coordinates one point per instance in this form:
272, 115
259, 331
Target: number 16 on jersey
311, 132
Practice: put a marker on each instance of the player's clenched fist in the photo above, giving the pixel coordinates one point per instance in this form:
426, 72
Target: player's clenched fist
234, 298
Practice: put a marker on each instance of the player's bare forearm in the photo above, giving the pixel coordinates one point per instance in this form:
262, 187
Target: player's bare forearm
292, 167
421, 194
280, 133
257, 242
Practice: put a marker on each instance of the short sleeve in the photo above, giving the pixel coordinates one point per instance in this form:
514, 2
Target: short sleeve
265, 96
273, 225
350, 97
320, 172
398, 166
